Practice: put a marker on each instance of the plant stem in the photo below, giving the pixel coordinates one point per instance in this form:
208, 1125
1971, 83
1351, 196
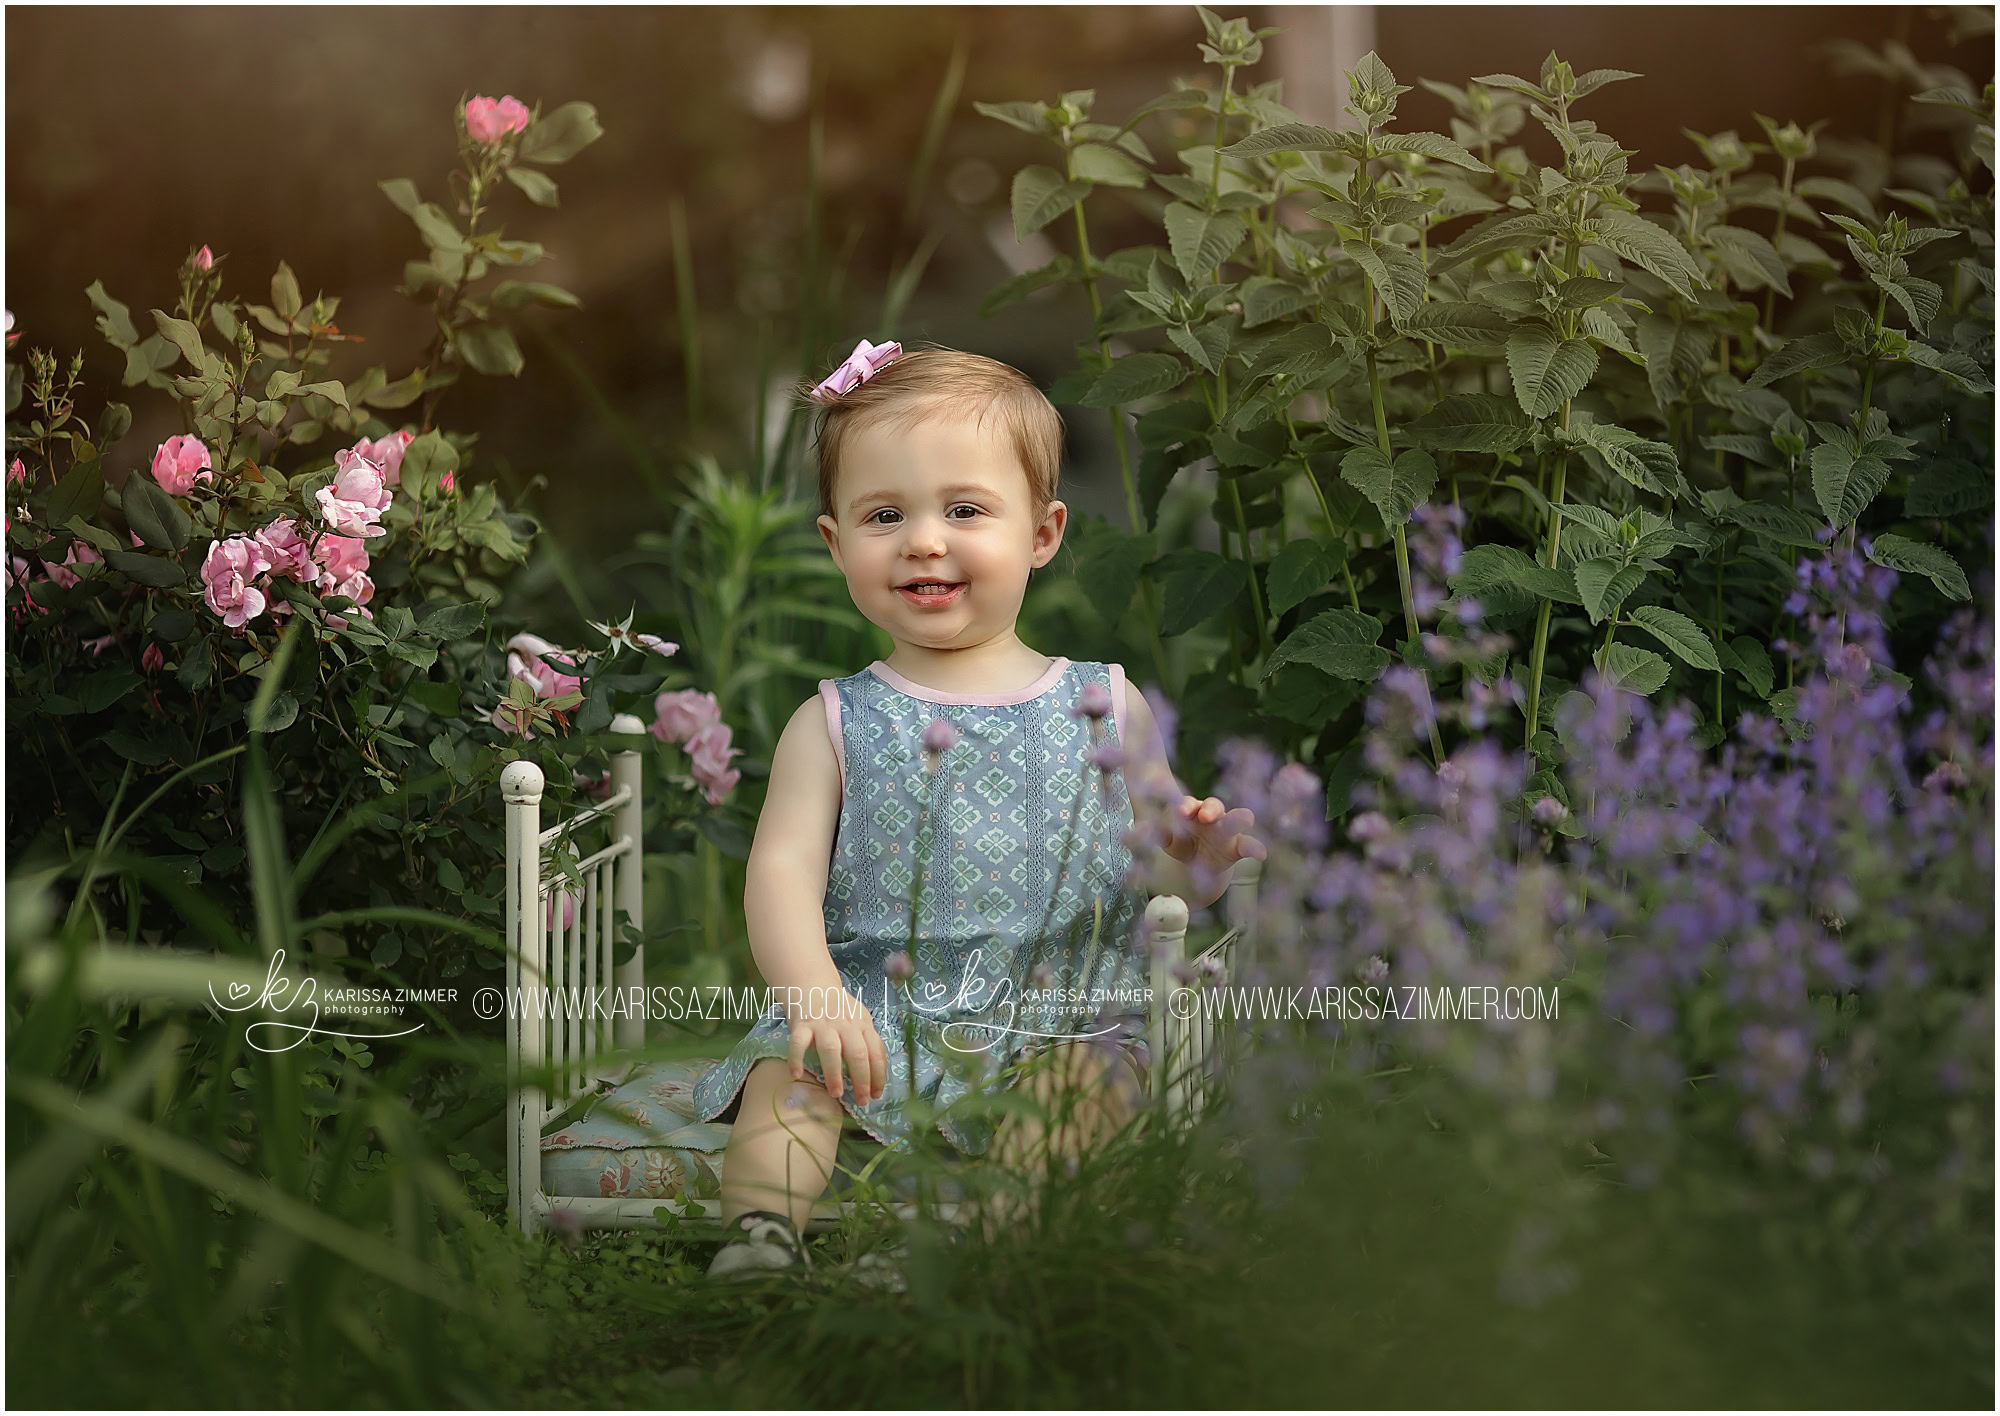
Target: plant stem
1402, 552
1540, 653
1777, 235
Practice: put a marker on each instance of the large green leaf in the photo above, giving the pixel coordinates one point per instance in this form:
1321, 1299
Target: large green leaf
1845, 483
1751, 260
1473, 422
1198, 584
154, 514
1430, 145
1921, 558
1631, 237
156, 571
1396, 489
1815, 351
1094, 162
79, 493
1202, 240
1289, 137
1546, 371
1640, 461
559, 136
1266, 298
1688, 640
1456, 322
491, 349
1675, 353
1397, 273
1510, 578
1302, 570
1778, 523
1604, 585
1135, 376
1041, 195
1635, 670
1338, 642
1056, 272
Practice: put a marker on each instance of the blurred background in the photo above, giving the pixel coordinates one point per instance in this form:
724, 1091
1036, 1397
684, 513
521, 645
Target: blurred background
135, 135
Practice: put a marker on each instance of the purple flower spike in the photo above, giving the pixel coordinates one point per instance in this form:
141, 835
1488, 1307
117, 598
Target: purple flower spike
940, 736
1106, 757
1093, 702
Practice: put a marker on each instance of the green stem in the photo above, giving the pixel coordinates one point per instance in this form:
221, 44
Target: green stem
1400, 531
1720, 562
1540, 654
1777, 235
1610, 629
1868, 383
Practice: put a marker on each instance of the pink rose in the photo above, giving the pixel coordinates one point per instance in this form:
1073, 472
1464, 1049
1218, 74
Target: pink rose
180, 462
488, 120
387, 453
526, 655
226, 574
709, 752
569, 911
339, 557
285, 551
18, 473
447, 482
354, 501
204, 259
80, 553
679, 716
152, 659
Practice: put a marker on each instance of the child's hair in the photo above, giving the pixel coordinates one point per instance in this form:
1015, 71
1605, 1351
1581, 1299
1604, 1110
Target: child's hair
924, 383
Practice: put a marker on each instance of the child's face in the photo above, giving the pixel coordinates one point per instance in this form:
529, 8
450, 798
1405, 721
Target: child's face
944, 500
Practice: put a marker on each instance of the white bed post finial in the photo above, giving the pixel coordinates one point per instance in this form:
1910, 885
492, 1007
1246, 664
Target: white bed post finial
629, 893
521, 789
1167, 921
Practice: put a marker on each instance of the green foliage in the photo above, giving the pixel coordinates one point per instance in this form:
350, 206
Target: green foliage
1614, 370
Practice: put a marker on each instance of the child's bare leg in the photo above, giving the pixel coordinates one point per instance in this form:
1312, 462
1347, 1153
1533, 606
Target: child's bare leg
767, 1166
1076, 1087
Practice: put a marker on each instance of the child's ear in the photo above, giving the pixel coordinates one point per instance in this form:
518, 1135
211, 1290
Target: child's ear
829, 532
1049, 534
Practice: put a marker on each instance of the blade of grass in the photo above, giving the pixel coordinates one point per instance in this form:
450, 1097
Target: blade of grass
687, 306
935, 126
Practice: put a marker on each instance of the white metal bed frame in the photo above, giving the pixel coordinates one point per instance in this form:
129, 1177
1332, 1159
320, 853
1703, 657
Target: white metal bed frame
542, 952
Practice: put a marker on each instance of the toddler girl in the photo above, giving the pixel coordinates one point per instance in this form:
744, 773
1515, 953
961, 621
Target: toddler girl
981, 780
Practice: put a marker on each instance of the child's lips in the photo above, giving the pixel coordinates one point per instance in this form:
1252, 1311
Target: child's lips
932, 599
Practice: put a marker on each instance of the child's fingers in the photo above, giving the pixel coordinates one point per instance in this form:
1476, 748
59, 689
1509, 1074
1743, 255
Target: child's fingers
878, 1057
801, 1040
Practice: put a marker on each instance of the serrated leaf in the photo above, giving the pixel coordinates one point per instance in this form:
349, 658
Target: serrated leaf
1753, 661
1394, 488
1456, 322
1962, 372
1266, 298
1640, 461
1631, 237
1473, 422
1604, 585
1337, 642
1056, 272
1207, 345
1777, 523
1202, 240
1301, 571
1635, 670
1486, 568
1844, 484
1431, 145
1397, 274
1688, 640
1750, 259
1133, 377
1093, 162
1040, 195
1547, 372
1919, 298
1814, 351
1288, 137
1922, 558
1018, 113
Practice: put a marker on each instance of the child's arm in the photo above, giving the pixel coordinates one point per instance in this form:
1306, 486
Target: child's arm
784, 902
1204, 839
785, 890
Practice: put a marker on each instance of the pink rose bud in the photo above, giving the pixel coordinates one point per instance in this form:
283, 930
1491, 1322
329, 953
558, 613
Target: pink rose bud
152, 659
18, 473
204, 259
1094, 702
448, 483
491, 120
898, 966
940, 736
180, 462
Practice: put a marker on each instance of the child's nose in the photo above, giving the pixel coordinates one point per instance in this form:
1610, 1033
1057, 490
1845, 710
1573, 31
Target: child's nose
925, 536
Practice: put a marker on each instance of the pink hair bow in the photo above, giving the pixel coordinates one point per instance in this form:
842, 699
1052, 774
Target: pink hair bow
863, 364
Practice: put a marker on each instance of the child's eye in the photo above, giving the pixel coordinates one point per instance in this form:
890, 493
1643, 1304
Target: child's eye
966, 506
885, 511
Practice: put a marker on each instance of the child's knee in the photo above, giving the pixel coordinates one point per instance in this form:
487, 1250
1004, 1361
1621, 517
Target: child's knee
795, 1099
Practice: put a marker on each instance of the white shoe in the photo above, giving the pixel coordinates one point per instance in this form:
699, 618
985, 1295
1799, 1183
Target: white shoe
759, 1243
885, 1269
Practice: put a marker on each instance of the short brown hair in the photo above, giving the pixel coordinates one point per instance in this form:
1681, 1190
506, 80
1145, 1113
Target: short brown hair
935, 381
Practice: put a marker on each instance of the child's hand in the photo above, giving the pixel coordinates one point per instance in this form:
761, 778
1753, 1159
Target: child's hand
1204, 835
835, 1024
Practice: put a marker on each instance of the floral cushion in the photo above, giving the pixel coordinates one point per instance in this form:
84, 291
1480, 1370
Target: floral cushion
639, 1140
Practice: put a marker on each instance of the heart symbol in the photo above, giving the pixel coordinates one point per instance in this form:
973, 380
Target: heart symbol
238, 990
933, 992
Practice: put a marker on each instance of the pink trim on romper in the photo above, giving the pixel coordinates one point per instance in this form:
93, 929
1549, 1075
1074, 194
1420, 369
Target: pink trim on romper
971, 700
1118, 702
830, 696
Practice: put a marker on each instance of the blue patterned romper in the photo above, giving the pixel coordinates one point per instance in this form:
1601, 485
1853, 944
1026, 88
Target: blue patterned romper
995, 815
